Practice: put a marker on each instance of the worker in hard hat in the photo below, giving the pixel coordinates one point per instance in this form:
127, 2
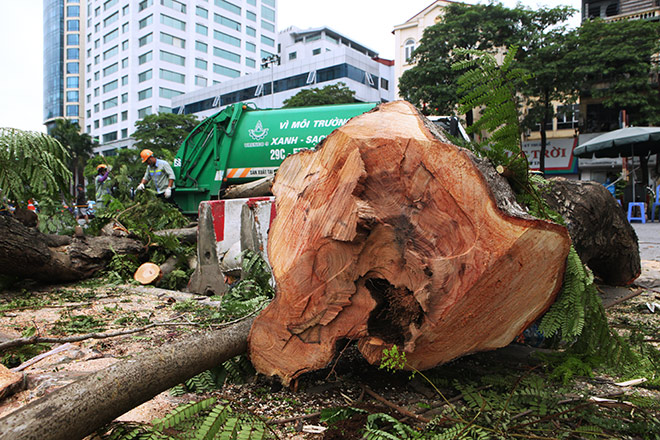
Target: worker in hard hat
160, 172
103, 184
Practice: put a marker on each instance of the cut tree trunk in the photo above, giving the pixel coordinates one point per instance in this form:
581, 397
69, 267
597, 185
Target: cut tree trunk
389, 235
79, 409
257, 188
27, 253
599, 229
185, 235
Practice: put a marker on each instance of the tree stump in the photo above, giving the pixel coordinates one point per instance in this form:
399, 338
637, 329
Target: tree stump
389, 235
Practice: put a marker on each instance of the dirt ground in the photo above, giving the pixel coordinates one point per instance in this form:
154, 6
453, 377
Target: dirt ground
92, 307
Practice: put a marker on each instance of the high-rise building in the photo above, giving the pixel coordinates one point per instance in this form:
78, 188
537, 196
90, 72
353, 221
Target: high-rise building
63, 54
133, 56
621, 9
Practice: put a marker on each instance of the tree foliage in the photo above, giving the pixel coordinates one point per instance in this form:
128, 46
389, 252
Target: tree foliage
333, 94
79, 145
614, 62
431, 83
32, 165
163, 133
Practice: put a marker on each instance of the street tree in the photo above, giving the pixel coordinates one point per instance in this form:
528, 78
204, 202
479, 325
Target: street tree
79, 145
33, 166
163, 133
333, 94
431, 83
615, 63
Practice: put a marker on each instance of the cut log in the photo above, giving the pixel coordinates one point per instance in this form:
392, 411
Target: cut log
148, 273
79, 409
257, 188
599, 229
27, 253
185, 235
389, 235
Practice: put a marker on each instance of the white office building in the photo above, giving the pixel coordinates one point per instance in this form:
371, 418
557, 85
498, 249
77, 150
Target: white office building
140, 54
308, 58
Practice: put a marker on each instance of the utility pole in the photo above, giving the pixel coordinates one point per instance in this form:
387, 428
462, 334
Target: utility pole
267, 62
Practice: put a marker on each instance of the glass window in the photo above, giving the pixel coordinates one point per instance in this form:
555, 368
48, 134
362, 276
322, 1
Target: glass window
89, 99
409, 47
109, 120
228, 6
172, 58
97, 44
384, 84
96, 124
110, 69
201, 64
144, 94
268, 41
145, 57
228, 22
97, 91
173, 22
124, 63
250, 62
201, 29
316, 51
109, 103
109, 87
231, 56
251, 47
124, 45
173, 4
110, 137
111, 19
222, 70
168, 93
146, 39
168, 75
266, 54
293, 55
96, 110
172, 40
313, 37
124, 98
73, 25
252, 32
250, 15
268, 2
268, 14
97, 27
124, 10
201, 81
252, 2
145, 76
73, 39
72, 82
124, 133
110, 36
97, 59
124, 80
124, 28
72, 110
201, 12
110, 53
96, 76
221, 36
72, 96
144, 4
124, 115
72, 67
110, 3
144, 112
268, 26
202, 47
97, 11
146, 21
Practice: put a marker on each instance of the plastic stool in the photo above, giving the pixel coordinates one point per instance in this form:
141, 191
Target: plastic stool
642, 216
656, 203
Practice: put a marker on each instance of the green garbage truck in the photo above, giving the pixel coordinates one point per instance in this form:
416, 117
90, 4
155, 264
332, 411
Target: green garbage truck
242, 143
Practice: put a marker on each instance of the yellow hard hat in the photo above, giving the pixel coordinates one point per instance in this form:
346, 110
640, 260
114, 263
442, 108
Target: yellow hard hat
146, 154
101, 166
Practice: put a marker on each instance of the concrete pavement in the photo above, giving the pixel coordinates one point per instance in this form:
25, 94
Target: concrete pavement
648, 235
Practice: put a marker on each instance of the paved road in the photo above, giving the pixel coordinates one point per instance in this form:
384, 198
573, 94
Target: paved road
648, 235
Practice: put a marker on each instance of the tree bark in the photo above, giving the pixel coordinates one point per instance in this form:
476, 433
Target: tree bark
185, 235
27, 253
599, 229
389, 235
258, 188
79, 409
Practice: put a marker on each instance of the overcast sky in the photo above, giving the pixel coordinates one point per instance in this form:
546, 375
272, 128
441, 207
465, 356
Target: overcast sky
368, 22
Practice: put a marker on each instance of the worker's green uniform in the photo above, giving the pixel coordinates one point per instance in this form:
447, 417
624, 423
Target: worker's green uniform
161, 173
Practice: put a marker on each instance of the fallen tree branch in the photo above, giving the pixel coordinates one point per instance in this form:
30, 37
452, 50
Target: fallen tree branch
19, 342
396, 407
79, 409
293, 419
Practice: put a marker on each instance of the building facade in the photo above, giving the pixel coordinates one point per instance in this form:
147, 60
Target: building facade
63, 61
408, 35
307, 58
